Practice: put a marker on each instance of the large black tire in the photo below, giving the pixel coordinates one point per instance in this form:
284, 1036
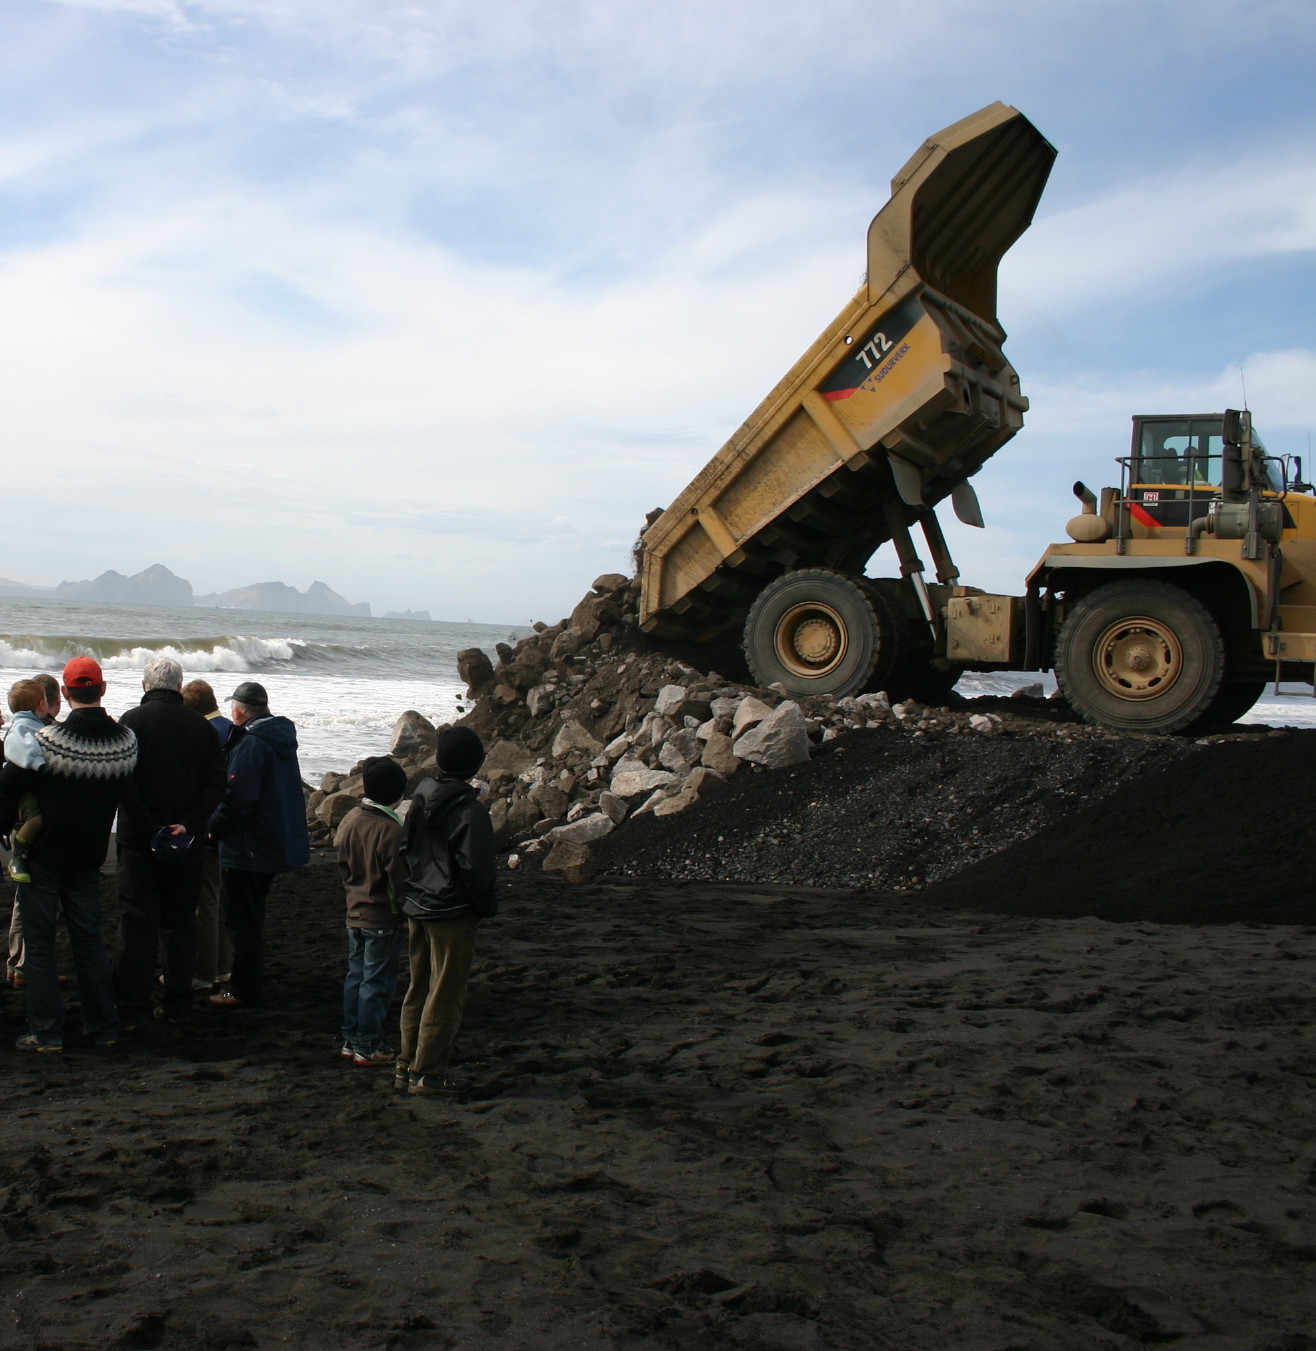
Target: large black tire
1141, 656
821, 632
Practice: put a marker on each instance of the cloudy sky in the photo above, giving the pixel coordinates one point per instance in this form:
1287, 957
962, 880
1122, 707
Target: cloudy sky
434, 299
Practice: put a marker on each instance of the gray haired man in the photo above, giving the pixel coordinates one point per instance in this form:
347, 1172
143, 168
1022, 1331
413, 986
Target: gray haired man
178, 782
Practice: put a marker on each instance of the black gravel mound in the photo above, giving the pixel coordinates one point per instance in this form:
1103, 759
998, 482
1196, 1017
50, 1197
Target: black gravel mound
883, 809
1223, 835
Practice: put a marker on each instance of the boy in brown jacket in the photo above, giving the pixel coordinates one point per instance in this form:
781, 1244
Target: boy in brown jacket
373, 878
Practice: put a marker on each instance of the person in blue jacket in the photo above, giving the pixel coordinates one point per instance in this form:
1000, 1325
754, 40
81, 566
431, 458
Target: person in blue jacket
261, 829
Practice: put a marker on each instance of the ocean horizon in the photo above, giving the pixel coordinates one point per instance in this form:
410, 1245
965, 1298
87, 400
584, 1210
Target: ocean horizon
343, 680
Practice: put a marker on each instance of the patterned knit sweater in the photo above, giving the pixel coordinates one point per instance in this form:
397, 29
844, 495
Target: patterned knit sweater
89, 758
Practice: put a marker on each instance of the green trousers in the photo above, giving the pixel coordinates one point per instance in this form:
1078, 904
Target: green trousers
440, 952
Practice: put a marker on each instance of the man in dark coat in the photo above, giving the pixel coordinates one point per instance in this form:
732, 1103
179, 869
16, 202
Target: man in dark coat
166, 809
261, 829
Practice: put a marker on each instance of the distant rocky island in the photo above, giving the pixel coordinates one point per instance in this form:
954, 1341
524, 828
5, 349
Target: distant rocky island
156, 585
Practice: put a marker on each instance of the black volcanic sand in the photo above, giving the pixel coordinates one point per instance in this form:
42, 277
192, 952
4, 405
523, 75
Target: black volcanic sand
743, 1114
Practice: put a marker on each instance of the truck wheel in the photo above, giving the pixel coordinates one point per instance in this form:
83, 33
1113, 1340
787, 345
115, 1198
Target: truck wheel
819, 632
1141, 656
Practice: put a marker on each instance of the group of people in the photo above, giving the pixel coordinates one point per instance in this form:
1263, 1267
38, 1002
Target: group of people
209, 811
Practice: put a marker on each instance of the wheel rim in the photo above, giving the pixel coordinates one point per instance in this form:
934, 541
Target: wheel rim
1138, 658
811, 639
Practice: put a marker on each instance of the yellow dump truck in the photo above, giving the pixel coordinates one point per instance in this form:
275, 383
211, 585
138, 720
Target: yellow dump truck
1168, 610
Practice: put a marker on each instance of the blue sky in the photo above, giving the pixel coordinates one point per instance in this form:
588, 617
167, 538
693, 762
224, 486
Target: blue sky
434, 300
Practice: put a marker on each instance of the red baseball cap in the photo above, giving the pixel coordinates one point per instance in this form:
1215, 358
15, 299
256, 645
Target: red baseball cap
83, 673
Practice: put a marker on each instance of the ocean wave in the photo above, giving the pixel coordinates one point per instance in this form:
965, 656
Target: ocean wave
224, 653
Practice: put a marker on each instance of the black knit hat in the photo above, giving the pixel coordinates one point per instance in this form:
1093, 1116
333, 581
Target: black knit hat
384, 780
460, 752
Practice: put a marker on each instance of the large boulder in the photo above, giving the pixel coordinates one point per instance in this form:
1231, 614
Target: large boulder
631, 778
749, 712
508, 755
413, 734
719, 755
475, 668
335, 807
781, 739
670, 700
592, 614
686, 798
585, 830
572, 859
575, 736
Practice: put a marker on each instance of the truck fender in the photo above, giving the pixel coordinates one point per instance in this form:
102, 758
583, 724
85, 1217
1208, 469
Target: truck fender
1054, 576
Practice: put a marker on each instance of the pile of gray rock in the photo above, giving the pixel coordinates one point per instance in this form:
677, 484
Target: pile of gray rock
587, 726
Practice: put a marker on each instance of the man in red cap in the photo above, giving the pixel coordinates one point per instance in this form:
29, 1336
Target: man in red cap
88, 760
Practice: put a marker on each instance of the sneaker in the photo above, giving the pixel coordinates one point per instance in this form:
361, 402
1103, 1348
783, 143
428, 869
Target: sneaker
401, 1076
18, 863
347, 1052
432, 1086
381, 1055
28, 1042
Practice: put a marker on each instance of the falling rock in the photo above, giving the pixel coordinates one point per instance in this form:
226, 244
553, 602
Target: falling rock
670, 758
658, 795
986, 724
413, 734
610, 582
586, 830
568, 642
573, 860
631, 779
719, 755
612, 805
540, 700
749, 712
508, 755
703, 780
552, 802
591, 615
522, 813
781, 739
498, 819
575, 736
475, 668
669, 701
687, 797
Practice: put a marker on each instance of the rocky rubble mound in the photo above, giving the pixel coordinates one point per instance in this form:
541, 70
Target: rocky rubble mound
589, 725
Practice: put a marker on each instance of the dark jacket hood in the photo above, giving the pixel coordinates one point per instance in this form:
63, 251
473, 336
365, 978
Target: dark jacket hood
444, 796
161, 697
279, 734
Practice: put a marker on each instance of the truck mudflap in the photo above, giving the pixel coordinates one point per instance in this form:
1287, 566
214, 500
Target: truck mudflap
903, 397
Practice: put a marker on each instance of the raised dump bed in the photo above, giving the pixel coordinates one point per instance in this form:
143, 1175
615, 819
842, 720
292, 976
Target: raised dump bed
902, 398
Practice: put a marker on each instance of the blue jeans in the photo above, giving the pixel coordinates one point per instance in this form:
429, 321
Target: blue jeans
373, 958
78, 892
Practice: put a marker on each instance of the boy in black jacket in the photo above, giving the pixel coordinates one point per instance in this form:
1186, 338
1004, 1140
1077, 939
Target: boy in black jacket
448, 850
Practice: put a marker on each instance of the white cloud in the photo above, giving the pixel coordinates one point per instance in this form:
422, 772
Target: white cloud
447, 295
